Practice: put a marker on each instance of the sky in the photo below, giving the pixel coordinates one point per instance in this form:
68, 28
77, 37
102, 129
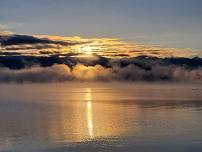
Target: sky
167, 23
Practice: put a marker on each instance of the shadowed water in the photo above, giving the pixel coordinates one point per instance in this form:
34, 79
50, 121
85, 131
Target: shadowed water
100, 117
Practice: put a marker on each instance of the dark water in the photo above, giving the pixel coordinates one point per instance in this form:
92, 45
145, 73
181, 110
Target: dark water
101, 117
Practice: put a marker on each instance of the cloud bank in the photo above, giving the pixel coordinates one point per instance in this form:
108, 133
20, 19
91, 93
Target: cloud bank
146, 70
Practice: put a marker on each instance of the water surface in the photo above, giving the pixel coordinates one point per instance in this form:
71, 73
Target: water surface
101, 117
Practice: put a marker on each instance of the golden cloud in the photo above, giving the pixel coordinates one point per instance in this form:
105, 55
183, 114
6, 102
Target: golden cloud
106, 47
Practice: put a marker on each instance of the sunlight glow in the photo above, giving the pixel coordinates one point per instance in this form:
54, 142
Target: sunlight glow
87, 49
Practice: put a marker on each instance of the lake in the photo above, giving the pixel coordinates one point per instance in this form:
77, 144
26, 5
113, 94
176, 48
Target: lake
95, 116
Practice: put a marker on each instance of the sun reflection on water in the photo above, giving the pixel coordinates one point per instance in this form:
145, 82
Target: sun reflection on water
89, 112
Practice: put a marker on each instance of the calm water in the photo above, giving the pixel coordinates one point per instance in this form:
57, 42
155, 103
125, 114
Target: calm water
101, 117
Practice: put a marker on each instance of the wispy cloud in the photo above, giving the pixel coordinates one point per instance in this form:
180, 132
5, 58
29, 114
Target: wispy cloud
3, 27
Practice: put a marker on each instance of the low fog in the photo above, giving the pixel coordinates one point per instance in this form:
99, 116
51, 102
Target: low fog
80, 72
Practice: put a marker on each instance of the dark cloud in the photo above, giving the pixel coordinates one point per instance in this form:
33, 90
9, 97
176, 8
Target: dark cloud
29, 47
7, 40
142, 62
9, 53
120, 55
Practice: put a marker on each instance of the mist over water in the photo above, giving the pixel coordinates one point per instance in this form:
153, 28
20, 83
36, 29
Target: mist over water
80, 72
89, 116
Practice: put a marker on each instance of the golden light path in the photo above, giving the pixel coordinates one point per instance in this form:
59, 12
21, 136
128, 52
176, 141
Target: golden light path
89, 112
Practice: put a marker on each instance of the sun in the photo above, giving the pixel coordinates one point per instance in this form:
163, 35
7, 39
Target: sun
87, 50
